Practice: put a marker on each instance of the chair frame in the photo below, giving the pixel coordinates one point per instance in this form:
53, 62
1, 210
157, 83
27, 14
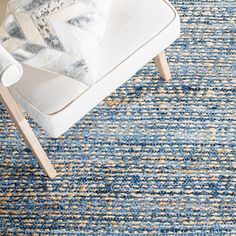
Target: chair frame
18, 116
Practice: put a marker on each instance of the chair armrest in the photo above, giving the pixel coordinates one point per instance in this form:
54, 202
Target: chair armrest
10, 70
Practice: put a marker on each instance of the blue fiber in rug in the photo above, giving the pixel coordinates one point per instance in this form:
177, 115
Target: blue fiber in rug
154, 158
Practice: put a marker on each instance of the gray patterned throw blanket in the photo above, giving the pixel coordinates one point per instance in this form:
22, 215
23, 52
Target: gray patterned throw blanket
57, 35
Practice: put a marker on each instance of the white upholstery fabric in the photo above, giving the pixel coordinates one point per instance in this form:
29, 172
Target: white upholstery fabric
137, 31
48, 92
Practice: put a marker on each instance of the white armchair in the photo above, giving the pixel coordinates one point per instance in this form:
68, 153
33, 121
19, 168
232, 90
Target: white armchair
137, 31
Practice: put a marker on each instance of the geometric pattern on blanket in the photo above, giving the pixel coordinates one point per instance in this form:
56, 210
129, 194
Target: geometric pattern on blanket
56, 35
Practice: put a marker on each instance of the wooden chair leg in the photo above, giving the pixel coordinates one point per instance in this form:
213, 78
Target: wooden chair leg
163, 67
27, 132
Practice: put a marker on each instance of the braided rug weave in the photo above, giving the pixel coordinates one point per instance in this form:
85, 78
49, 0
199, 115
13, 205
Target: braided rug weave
152, 159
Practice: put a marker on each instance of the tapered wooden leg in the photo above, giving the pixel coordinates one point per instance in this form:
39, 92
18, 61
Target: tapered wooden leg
163, 66
27, 132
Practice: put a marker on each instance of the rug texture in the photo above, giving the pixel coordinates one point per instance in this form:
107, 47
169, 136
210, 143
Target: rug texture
152, 159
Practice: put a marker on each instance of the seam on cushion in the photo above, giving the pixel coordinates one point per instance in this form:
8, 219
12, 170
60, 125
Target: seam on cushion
51, 114
16, 91
48, 114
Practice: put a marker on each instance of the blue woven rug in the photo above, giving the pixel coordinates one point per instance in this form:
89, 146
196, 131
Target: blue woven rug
152, 159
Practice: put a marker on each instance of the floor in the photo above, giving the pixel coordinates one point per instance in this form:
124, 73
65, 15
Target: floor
153, 158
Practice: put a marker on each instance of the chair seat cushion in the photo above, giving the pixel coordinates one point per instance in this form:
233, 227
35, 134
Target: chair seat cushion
137, 31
